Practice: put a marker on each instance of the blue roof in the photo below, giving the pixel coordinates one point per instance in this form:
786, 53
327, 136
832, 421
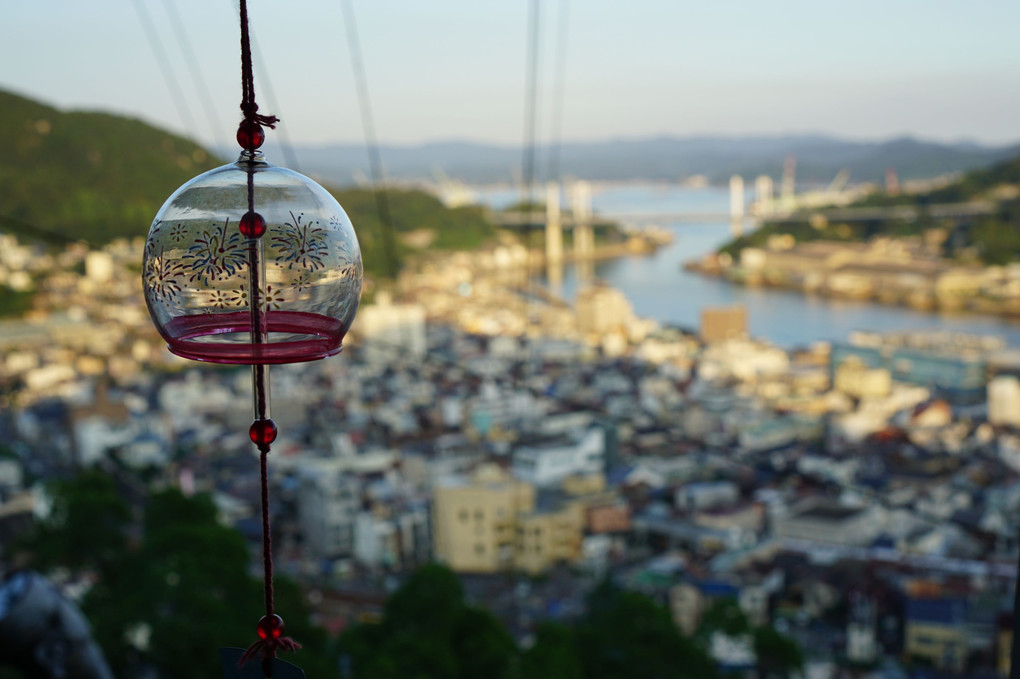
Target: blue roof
884, 541
717, 588
937, 611
617, 475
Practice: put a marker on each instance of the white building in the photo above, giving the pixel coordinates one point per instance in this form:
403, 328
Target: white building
602, 309
706, 495
399, 541
96, 435
744, 360
496, 407
1004, 401
549, 464
390, 329
375, 542
827, 522
99, 266
328, 502
11, 475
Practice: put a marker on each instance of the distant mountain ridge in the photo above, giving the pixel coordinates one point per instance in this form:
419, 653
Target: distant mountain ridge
819, 159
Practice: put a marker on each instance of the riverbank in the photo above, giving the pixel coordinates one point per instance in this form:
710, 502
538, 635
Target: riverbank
893, 272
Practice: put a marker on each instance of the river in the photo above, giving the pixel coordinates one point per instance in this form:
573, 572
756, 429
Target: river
659, 287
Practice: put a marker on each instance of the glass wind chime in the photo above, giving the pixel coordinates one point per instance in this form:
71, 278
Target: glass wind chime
253, 264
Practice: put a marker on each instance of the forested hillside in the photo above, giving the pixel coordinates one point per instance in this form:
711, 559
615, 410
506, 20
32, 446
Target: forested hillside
97, 176
90, 176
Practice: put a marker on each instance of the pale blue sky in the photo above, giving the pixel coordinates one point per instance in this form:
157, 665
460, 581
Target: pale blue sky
449, 69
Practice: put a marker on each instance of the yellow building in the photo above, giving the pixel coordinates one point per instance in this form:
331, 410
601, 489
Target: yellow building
550, 537
936, 632
1004, 644
719, 324
474, 520
855, 378
489, 523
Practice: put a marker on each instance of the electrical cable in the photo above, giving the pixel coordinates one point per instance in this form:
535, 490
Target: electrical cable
193, 69
286, 147
374, 156
530, 102
289, 156
16, 225
559, 86
164, 66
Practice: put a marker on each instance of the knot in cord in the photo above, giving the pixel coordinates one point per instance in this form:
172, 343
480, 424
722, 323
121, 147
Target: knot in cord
266, 649
251, 114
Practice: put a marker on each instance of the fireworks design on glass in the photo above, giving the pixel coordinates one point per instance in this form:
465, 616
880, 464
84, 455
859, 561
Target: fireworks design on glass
272, 299
239, 297
300, 244
345, 245
219, 299
162, 276
216, 253
177, 233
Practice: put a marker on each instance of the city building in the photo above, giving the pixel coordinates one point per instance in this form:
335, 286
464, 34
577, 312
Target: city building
327, 505
602, 309
935, 631
824, 521
392, 538
719, 324
549, 536
855, 378
475, 520
705, 495
958, 375
389, 329
1004, 401
548, 464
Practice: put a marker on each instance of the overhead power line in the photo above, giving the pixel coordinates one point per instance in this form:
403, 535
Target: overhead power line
265, 83
196, 73
164, 66
368, 125
559, 86
530, 101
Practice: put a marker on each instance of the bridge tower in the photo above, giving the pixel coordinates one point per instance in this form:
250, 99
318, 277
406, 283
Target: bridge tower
553, 226
789, 186
580, 204
584, 237
737, 205
763, 194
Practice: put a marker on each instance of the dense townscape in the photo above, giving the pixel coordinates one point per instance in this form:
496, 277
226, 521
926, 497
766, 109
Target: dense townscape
856, 497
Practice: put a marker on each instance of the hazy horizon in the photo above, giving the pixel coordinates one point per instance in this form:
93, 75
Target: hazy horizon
939, 71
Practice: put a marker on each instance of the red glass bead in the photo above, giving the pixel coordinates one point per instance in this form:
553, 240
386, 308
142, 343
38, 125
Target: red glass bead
250, 135
270, 626
252, 225
262, 432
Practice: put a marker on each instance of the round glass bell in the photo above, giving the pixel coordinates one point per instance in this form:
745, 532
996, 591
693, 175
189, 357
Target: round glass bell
278, 285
